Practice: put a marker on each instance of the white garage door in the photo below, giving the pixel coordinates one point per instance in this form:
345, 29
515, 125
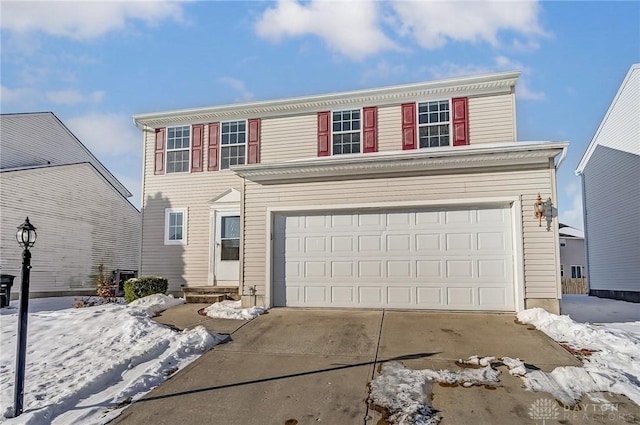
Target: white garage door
453, 259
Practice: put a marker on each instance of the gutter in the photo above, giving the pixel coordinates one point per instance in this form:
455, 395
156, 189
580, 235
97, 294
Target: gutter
562, 157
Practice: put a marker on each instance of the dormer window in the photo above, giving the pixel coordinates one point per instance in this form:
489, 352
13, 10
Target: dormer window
178, 143
433, 124
346, 132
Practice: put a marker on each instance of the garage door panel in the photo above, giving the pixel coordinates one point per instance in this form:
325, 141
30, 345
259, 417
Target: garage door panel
437, 259
370, 295
400, 295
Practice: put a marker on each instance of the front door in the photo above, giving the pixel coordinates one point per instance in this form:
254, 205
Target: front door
227, 248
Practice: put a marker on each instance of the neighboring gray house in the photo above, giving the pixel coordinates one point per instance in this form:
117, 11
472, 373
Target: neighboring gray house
572, 260
81, 211
610, 171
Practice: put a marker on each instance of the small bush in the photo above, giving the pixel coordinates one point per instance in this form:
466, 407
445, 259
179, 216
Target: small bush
143, 286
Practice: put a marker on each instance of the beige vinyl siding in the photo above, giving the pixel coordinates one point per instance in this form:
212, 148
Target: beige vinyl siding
288, 138
541, 280
389, 128
181, 264
492, 119
81, 221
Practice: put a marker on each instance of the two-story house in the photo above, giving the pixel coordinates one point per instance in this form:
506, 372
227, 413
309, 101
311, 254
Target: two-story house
415, 196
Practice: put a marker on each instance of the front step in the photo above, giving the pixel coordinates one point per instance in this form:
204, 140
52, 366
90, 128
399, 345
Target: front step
209, 294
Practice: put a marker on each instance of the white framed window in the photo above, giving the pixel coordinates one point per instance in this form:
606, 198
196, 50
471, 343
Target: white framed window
233, 140
434, 121
346, 131
576, 272
561, 270
178, 149
175, 226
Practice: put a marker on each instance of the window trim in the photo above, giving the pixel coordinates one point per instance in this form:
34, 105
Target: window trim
331, 133
185, 218
246, 142
577, 267
418, 125
167, 150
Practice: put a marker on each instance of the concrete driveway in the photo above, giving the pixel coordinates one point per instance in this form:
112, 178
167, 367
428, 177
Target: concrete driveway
299, 366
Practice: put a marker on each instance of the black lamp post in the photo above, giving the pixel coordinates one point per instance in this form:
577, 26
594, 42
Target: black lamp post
26, 237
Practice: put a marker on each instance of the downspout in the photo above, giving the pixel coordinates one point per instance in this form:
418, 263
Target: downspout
562, 157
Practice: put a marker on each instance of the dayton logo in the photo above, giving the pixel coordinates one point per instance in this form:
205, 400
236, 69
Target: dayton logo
544, 409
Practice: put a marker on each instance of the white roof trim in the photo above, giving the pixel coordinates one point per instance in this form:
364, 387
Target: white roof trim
594, 144
425, 161
468, 86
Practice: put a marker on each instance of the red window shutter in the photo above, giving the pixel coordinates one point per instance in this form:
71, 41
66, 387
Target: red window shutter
196, 148
408, 126
460, 121
159, 149
254, 141
324, 133
370, 129
214, 143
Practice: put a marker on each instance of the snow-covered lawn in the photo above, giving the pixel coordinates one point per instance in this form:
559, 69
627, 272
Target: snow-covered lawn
85, 364
610, 353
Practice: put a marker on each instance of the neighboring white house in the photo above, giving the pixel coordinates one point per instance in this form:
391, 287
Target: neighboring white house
572, 260
610, 171
416, 196
80, 210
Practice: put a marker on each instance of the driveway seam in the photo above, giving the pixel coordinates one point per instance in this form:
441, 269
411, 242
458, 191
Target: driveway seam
373, 367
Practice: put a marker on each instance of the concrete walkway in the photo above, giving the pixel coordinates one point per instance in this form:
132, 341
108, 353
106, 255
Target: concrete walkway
299, 366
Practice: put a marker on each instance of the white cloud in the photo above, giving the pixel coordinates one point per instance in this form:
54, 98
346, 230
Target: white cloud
347, 27
239, 86
572, 215
501, 64
16, 95
107, 134
82, 20
383, 70
434, 23
72, 97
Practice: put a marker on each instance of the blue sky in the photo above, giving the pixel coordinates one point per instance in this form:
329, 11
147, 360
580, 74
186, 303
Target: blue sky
95, 64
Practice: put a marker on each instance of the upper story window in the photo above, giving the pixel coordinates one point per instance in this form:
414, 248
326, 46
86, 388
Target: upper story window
178, 143
433, 123
346, 131
234, 137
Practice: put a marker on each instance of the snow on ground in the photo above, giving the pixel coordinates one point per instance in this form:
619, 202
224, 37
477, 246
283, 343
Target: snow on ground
610, 353
233, 310
156, 303
405, 393
84, 362
613, 363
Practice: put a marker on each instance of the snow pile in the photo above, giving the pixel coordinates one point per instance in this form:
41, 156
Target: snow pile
233, 310
477, 360
82, 363
613, 363
405, 393
156, 303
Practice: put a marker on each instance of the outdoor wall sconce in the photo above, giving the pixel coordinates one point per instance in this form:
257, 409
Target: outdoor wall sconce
538, 209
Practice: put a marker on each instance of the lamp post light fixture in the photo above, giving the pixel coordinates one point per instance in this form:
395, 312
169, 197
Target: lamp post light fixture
26, 237
538, 209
